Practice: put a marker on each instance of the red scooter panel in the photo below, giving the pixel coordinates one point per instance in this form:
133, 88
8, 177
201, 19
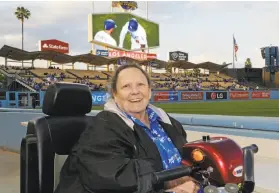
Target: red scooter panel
222, 155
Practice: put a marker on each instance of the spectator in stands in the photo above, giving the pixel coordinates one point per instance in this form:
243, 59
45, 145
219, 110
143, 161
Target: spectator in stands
62, 76
126, 142
37, 87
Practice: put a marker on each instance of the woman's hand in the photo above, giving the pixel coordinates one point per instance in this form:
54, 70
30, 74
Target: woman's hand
182, 185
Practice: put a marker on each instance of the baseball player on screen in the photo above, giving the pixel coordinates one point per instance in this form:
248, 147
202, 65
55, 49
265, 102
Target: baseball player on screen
137, 33
104, 36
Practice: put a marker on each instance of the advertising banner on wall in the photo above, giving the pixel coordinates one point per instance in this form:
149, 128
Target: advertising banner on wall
191, 96
260, 94
165, 96
239, 95
134, 55
216, 95
103, 53
99, 97
54, 45
178, 56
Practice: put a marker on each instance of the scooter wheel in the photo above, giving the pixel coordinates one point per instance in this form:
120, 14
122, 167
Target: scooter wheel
231, 188
210, 189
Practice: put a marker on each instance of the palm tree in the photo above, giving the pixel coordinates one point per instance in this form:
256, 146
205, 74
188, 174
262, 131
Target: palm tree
22, 14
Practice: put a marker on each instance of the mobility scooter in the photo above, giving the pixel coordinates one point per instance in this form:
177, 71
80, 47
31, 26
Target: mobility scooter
218, 164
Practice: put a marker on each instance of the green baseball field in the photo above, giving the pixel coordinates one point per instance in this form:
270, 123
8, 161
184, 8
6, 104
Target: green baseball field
265, 108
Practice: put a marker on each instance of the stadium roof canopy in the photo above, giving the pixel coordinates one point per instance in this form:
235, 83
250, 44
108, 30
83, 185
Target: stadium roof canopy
18, 54
183, 64
60, 58
154, 63
125, 59
90, 59
211, 66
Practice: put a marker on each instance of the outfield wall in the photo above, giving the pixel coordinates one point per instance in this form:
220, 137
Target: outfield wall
12, 131
23, 99
99, 98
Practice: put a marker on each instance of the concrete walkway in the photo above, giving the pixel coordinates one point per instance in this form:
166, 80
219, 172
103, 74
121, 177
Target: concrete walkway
266, 173
9, 172
266, 164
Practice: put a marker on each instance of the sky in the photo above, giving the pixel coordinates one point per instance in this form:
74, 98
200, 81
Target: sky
202, 29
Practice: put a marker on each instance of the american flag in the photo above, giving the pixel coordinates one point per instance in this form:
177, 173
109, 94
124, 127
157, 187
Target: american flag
235, 47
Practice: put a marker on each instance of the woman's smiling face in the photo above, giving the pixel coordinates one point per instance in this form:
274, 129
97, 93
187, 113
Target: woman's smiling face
133, 91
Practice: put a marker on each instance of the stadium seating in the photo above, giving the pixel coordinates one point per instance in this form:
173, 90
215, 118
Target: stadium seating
87, 73
41, 78
43, 73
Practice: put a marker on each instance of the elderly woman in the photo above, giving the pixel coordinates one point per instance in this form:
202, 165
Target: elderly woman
126, 143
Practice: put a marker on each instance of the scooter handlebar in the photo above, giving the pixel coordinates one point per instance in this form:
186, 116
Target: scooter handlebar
172, 174
178, 172
252, 147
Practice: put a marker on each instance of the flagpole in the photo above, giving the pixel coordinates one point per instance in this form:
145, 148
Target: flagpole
147, 17
147, 10
92, 44
233, 65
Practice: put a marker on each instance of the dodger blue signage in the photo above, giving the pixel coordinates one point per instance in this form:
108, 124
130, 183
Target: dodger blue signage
173, 96
104, 53
99, 98
274, 94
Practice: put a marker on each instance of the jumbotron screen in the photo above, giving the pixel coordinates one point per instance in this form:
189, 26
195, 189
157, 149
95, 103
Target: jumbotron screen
123, 30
